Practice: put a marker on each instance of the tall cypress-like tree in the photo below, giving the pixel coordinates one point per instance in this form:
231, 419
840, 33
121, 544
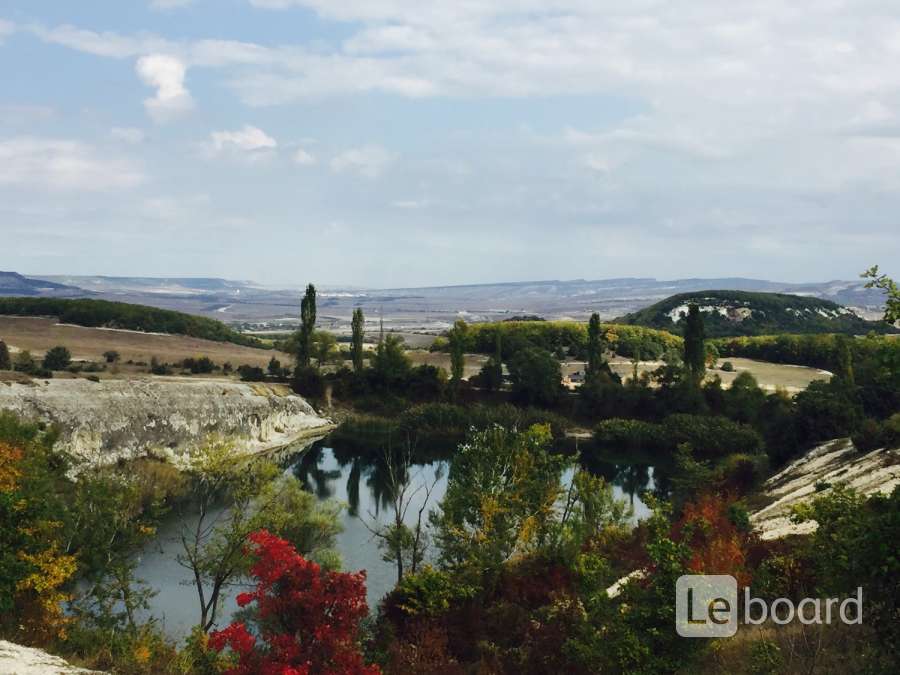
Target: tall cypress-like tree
307, 326
358, 325
694, 344
843, 359
457, 339
594, 349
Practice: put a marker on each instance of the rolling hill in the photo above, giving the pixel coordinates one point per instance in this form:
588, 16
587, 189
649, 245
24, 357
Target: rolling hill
731, 313
13, 283
107, 314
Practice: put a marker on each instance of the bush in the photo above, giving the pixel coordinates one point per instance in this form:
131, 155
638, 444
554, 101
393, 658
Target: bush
728, 367
5, 361
24, 363
251, 373
307, 382
157, 368
199, 365
870, 436
708, 436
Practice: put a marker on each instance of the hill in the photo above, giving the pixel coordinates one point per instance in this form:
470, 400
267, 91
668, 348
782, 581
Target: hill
733, 313
13, 283
108, 314
235, 301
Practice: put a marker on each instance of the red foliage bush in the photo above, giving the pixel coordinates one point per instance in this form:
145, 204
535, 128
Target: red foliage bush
309, 619
717, 546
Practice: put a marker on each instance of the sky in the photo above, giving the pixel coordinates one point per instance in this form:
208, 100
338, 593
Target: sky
389, 143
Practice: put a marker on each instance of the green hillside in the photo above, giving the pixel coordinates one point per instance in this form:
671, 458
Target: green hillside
107, 314
734, 313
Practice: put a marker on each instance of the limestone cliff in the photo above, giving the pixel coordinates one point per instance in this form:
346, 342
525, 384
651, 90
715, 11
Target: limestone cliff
18, 660
814, 473
115, 419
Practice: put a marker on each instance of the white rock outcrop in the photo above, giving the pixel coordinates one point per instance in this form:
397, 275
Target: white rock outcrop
122, 419
812, 474
18, 660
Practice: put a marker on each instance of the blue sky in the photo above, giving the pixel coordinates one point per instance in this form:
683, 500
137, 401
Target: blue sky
400, 142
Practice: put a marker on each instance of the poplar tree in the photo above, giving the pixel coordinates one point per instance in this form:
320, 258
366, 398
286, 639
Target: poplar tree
358, 325
307, 326
594, 349
694, 344
457, 339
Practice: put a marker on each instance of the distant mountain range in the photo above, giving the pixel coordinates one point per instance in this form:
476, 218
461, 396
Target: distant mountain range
732, 313
414, 308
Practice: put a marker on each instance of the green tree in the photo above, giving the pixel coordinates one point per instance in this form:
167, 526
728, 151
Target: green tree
843, 360
536, 376
892, 292
358, 326
501, 498
233, 497
491, 375
324, 348
391, 365
274, 367
5, 361
694, 344
595, 360
457, 340
57, 358
24, 362
307, 327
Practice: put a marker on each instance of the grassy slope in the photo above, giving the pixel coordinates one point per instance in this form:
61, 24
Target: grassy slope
107, 314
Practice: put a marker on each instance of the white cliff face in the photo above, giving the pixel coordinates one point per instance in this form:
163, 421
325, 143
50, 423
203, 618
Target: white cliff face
18, 660
109, 420
812, 475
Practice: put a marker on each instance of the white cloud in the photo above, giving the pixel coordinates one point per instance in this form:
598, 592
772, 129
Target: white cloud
108, 44
13, 113
409, 203
6, 28
249, 139
61, 164
165, 73
369, 161
304, 158
169, 4
129, 135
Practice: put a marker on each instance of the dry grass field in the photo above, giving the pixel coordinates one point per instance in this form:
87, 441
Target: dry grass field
769, 375
37, 335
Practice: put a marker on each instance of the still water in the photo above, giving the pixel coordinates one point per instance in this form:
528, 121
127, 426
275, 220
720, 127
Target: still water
332, 472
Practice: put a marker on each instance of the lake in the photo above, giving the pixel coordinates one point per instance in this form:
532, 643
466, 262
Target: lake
332, 469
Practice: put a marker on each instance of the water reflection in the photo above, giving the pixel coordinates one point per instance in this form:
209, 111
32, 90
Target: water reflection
356, 474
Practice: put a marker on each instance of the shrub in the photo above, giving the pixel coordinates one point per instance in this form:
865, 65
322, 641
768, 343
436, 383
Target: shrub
728, 367
199, 365
708, 436
5, 361
307, 381
870, 436
24, 363
308, 619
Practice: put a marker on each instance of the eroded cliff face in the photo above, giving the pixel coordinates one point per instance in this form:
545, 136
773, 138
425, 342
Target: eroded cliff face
18, 660
122, 419
814, 474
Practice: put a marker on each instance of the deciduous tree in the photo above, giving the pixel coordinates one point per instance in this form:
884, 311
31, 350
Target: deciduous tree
308, 619
358, 326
